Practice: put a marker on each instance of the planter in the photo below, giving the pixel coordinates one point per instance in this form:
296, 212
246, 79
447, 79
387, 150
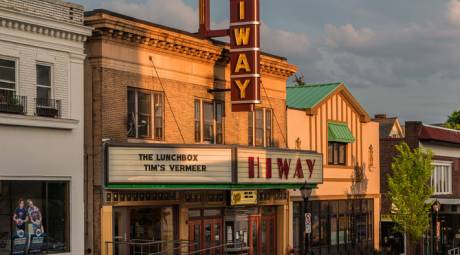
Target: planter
47, 112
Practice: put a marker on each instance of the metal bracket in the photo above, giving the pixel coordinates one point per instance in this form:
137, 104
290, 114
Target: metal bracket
218, 90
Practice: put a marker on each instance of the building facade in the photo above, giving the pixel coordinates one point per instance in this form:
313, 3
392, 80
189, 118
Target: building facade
41, 127
167, 158
345, 208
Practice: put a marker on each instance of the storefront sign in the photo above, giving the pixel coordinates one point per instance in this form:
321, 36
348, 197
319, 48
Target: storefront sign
169, 165
279, 166
244, 197
307, 223
244, 54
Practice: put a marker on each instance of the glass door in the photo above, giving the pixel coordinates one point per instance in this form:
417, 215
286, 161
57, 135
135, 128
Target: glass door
254, 236
268, 235
206, 235
195, 235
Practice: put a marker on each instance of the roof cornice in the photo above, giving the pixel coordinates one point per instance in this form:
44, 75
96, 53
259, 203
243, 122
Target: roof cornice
175, 41
36, 25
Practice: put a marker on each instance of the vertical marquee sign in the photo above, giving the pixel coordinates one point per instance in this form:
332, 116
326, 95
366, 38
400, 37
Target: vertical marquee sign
244, 54
244, 35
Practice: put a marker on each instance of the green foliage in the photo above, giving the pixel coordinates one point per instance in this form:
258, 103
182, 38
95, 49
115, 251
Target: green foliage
453, 121
409, 188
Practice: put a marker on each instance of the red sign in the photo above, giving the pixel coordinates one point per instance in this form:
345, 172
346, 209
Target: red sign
244, 54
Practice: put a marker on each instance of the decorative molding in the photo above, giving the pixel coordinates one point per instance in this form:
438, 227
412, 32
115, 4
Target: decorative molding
144, 34
41, 30
38, 122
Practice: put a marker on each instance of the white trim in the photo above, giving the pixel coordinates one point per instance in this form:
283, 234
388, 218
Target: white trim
244, 23
35, 178
445, 185
244, 49
36, 121
443, 128
235, 76
246, 102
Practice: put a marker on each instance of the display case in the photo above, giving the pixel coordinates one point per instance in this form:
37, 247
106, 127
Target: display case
237, 231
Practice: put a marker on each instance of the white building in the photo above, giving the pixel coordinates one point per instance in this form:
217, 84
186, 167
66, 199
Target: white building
41, 126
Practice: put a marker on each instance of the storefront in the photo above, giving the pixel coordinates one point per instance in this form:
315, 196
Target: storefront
345, 208
193, 198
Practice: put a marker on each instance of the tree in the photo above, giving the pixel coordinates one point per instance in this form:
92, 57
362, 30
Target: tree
409, 189
299, 80
453, 121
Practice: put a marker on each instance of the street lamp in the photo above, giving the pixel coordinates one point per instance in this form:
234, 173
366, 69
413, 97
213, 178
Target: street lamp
306, 193
435, 207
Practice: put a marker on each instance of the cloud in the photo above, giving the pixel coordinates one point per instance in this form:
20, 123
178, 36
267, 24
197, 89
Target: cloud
347, 36
453, 12
173, 13
283, 42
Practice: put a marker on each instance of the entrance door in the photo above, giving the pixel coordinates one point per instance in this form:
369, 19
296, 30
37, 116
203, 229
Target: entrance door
254, 235
206, 234
268, 235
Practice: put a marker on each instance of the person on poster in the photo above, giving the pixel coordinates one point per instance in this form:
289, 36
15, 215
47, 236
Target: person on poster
20, 216
35, 217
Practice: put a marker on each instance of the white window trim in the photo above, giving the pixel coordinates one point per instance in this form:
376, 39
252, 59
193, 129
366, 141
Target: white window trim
16, 72
51, 65
152, 113
264, 121
214, 119
448, 189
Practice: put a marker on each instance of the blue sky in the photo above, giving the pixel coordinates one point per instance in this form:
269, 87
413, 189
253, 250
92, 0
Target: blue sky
397, 57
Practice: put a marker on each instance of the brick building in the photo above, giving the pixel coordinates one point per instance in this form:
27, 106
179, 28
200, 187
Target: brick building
444, 143
41, 127
155, 93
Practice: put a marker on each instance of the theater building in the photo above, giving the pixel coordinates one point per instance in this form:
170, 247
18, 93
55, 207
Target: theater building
345, 208
41, 127
168, 160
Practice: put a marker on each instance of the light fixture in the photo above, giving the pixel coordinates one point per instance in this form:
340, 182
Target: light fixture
436, 206
306, 191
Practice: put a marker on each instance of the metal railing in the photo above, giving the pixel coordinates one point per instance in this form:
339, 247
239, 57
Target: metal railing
181, 247
13, 104
47, 107
455, 251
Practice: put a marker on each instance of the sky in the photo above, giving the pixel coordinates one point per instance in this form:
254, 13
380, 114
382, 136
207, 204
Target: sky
397, 57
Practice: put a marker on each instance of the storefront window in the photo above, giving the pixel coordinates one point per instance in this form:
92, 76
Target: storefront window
337, 225
35, 214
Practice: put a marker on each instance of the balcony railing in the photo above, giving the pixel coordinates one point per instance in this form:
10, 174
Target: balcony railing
48, 107
13, 104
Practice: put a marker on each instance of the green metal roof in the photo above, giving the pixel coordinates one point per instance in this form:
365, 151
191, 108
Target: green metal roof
339, 132
309, 95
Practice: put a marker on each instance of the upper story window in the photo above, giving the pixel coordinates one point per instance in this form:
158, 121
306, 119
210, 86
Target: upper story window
209, 121
7, 77
145, 114
260, 127
46, 106
339, 136
441, 179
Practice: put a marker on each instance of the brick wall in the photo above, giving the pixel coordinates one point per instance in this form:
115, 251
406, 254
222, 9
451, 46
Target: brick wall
51, 9
387, 152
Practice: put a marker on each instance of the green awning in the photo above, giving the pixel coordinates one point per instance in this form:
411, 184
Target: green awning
339, 132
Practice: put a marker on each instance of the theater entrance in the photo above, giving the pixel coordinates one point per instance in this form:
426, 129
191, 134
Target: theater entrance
149, 229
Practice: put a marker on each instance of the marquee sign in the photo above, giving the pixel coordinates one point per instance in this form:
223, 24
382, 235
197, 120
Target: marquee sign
168, 165
244, 54
244, 35
189, 164
279, 166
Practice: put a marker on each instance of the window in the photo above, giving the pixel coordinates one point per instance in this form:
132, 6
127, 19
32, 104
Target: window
7, 78
209, 123
36, 211
43, 84
441, 179
339, 226
260, 127
142, 105
337, 153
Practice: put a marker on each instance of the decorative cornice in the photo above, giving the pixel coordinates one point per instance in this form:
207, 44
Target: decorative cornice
113, 26
42, 30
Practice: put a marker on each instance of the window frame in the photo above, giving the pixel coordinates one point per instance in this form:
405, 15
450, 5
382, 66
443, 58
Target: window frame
152, 131
446, 187
252, 129
336, 153
215, 104
51, 87
16, 73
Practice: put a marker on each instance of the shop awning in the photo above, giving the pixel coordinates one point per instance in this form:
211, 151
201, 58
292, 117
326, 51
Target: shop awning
339, 132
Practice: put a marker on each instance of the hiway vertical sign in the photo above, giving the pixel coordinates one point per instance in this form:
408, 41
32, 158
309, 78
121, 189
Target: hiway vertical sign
244, 54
